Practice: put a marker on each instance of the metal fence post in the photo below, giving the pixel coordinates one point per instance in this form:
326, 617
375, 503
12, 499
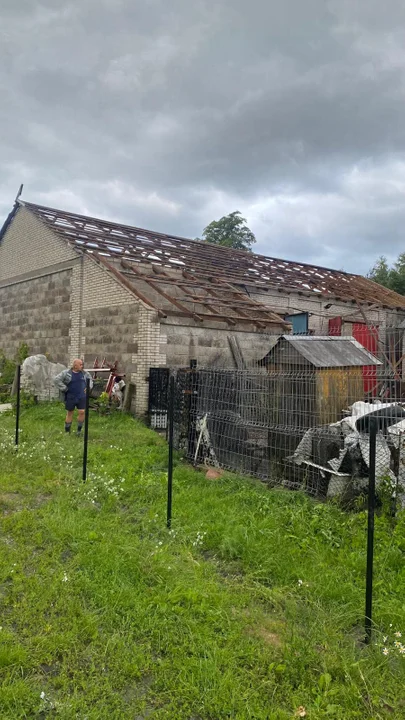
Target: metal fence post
170, 461
18, 402
370, 529
86, 430
191, 408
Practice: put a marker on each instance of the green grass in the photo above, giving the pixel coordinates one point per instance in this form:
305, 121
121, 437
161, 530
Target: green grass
251, 607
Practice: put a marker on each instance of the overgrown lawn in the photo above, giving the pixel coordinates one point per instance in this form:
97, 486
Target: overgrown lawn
250, 608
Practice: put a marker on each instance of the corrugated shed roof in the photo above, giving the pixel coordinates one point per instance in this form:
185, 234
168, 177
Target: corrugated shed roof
328, 352
214, 264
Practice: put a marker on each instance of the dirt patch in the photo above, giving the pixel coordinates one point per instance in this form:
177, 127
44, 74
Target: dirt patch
10, 502
138, 690
213, 474
7, 540
40, 499
10, 498
52, 670
270, 638
66, 555
266, 629
229, 571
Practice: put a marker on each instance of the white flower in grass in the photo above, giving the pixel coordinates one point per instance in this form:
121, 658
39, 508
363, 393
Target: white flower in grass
385, 639
385, 651
300, 582
398, 634
65, 578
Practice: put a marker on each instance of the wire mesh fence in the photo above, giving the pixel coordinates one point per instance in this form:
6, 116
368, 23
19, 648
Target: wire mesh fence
298, 422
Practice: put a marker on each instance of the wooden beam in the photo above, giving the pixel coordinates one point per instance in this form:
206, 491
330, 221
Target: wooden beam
167, 297
125, 283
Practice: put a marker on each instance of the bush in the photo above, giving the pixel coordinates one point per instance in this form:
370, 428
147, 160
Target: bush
22, 353
102, 404
27, 399
5, 394
7, 369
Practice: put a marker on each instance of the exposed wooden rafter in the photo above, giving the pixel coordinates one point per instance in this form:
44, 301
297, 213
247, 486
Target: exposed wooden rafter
195, 275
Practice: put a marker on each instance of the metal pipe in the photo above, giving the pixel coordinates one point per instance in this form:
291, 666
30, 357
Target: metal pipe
98, 370
86, 430
17, 409
170, 460
370, 529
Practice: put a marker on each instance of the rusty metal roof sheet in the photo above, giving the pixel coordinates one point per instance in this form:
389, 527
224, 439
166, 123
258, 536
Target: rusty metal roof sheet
324, 352
213, 265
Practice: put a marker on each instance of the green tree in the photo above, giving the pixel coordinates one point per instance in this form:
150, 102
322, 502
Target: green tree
397, 278
230, 231
390, 277
380, 272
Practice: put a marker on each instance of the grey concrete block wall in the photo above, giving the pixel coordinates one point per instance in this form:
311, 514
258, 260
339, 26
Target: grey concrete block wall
319, 315
210, 346
111, 332
37, 312
49, 310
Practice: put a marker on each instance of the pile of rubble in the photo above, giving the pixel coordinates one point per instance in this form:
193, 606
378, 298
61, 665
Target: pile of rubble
341, 451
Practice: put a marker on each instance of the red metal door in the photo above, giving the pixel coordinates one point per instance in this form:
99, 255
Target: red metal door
368, 337
335, 326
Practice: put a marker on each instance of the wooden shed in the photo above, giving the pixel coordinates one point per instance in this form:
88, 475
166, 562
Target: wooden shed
315, 378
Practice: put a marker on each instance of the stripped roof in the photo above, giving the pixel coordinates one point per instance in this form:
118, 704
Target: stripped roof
322, 352
163, 258
149, 266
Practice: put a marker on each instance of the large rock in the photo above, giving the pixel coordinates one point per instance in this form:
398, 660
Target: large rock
37, 377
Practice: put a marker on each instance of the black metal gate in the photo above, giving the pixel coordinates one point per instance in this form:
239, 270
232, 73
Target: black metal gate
158, 397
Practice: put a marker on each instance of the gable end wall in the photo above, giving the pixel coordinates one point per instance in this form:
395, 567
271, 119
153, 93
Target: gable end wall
61, 302
29, 245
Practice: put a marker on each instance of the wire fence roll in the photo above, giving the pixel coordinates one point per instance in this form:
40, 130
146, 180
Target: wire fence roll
305, 430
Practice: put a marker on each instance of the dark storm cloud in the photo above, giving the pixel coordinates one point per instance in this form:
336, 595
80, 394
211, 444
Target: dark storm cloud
169, 115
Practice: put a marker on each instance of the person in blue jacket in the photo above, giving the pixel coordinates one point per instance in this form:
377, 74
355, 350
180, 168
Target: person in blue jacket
72, 390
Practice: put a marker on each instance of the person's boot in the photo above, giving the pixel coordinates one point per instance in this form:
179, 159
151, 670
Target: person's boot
67, 427
79, 429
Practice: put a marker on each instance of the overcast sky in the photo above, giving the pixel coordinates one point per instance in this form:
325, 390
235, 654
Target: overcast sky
168, 114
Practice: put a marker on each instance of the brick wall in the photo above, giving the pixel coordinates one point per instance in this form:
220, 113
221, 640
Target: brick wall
150, 353
76, 314
29, 245
101, 289
108, 319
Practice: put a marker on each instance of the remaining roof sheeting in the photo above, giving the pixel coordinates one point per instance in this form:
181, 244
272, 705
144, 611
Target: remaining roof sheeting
212, 262
328, 352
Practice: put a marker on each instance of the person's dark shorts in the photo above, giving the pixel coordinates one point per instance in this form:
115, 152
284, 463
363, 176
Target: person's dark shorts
71, 403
